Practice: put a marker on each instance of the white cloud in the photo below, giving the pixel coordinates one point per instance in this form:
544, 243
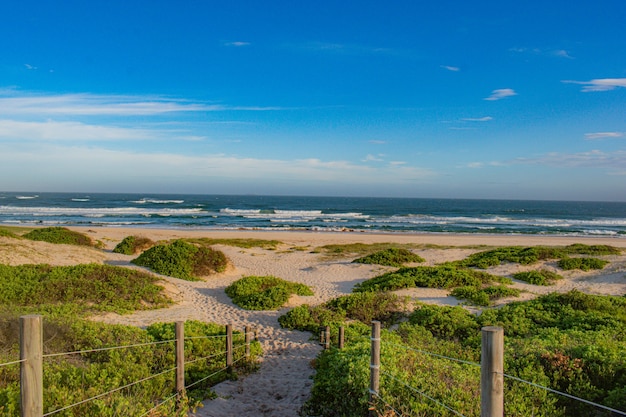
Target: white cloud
12, 102
477, 119
451, 68
603, 135
559, 53
501, 93
593, 159
51, 130
237, 43
30, 67
599, 84
372, 158
475, 165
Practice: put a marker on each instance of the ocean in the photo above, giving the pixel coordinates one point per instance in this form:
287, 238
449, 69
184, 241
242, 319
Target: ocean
255, 212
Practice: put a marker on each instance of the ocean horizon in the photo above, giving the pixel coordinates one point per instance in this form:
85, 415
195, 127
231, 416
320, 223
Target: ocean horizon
365, 214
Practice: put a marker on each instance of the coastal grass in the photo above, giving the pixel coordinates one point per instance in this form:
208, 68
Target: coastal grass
484, 296
570, 342
181, 259
264, 292
390, 257
239, 243
364, 249
61, 235
583, 264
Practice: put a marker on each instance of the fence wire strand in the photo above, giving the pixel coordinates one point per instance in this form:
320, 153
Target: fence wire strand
171, 397
206, 377
215, 336
573, 397
12, 363
77, 352
433, 354
108, 392
387, 404
206, 357
423, 394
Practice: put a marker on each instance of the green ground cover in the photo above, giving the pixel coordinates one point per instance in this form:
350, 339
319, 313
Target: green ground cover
264, 292
390, 257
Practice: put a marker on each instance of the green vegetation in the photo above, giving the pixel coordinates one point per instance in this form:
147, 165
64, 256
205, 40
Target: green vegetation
441, 276
390, 257
531, 255
572, 342
483, 296
132, 245
183, 260
70, 379
8, 233
59, 235
363, 249
81, 289
239, 243
264, 293
584, 264
64, 296
364, 307
540, 277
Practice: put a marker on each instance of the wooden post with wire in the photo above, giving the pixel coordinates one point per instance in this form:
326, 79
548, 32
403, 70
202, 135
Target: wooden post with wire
229, 346
248, 339
374, 367
31, 367
492, 372
180, 358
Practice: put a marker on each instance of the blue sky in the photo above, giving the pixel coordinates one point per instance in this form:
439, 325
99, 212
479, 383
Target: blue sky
485, 99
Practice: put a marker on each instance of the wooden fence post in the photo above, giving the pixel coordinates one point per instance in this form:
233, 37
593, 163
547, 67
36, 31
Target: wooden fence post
327, 338
491, 372
180, 358
247, 338
374, 367
229, 346
341, 337
31, 369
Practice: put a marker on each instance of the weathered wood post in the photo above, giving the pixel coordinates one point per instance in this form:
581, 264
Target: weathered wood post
180, 358
327, 337
491, 372
341, 337
31, 369
229, 346
248, 339
374, 367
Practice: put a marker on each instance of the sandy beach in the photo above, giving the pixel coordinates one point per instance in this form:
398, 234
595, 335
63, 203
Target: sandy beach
283, 382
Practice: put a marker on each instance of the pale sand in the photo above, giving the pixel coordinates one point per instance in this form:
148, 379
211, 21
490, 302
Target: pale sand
283, 382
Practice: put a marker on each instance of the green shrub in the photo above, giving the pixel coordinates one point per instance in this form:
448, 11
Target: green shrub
264, 293
541, 277
8, 233
441, 276
450, 323
367, 306
59, 235
239, 243
132, 245
584, 264
484, 296
390, 257
85, 288
597, 250
183, 260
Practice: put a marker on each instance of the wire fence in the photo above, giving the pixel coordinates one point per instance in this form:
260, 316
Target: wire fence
32, 364
396, 404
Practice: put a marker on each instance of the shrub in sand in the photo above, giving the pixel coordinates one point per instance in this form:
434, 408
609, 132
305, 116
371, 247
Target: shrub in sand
541, 277
59, 235
584, 264
183, 260
264, 293
390, 257
132, 245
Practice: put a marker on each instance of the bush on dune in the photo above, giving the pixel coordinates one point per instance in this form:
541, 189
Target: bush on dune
60, 235
264, 293
390, 257
183, 260
132, 245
